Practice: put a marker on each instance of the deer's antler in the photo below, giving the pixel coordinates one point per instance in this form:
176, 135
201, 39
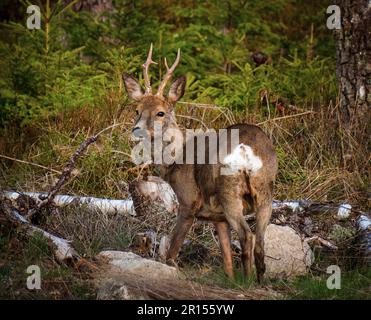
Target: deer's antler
168, 74
145, 66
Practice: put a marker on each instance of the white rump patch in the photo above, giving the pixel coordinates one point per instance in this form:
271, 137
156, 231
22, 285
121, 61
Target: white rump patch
242, 158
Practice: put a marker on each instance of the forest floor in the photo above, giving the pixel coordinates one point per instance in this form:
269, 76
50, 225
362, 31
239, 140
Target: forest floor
65, 282
199, 261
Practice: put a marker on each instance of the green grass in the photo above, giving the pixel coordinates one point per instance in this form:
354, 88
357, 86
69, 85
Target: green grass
217, 277
57, 281
37, 248
355, 284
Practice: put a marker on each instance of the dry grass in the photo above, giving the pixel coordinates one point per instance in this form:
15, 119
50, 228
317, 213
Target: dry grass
173, 289
319, 157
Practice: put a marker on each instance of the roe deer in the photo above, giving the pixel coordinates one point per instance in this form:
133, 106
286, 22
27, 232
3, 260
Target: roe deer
202, 191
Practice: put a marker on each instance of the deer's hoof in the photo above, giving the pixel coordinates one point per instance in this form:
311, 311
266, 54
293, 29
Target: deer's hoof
172, 263
260, 277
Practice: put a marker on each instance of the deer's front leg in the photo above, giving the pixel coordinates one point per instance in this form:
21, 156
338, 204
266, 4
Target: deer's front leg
184, 222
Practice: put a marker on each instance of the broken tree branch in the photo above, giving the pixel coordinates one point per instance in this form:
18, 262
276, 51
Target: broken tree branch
66, 172
322, 241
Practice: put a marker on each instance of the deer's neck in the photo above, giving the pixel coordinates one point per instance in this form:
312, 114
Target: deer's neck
179, 149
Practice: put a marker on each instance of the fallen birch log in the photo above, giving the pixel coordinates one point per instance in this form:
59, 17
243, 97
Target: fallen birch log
158, 191
63, 250
342, 211
104, 205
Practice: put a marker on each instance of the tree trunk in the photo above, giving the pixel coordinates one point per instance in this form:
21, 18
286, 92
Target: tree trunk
354, 56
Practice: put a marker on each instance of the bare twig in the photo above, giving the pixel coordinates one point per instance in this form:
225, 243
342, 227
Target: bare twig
139, 167
223, 111
286, 117
322, 241
200, 105
30, 163
122, 152
66, 173
192, 118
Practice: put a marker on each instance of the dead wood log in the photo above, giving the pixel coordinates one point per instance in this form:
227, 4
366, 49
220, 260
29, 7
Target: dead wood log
342, 211
153, 194
63, 250
153, 191
104, 205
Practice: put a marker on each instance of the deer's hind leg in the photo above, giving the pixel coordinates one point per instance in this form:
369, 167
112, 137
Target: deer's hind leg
263, 209
233, 210
263, 214
224, 235
247, 240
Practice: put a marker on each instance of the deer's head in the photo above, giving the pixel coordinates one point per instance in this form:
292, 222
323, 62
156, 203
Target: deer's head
157, 107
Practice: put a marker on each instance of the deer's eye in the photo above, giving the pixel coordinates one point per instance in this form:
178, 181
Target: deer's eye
160, 114
137, 112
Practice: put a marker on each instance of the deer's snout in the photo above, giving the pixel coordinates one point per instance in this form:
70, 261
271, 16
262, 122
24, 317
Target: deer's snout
138, 133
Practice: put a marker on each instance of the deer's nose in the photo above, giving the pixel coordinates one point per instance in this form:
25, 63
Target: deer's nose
137, 132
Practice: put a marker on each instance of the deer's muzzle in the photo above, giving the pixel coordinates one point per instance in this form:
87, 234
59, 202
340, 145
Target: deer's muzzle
139, 134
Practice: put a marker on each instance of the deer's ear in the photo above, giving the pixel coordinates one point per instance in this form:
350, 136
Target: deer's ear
177, 89
132, 87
